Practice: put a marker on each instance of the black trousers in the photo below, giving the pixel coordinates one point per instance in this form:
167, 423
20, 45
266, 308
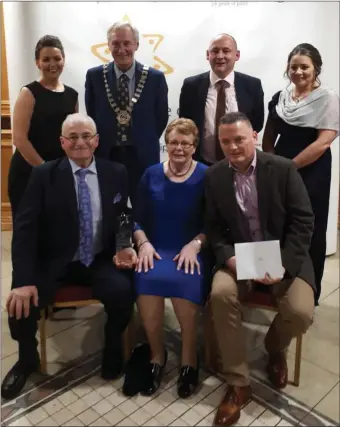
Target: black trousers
127, 155
114, 288
319, 198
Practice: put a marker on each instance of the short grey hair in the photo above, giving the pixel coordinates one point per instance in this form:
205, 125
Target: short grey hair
78, 118
122, 24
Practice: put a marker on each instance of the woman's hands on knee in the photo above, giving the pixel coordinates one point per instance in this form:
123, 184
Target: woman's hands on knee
146, 255
188, 258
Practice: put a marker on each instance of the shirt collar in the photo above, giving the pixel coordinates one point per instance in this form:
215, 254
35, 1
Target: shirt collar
230, 78
130, 72
251, 168
92, 168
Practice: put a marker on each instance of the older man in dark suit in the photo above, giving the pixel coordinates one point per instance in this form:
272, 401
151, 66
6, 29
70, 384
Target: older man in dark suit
206, 97
65, 231
255, 196
129, 103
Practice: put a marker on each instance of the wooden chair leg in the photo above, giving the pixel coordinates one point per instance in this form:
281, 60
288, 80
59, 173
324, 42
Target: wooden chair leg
210, 354
298, 355
207, 341
50, 313
43, 354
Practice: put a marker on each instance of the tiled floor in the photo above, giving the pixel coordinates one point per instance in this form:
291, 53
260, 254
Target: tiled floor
73, 394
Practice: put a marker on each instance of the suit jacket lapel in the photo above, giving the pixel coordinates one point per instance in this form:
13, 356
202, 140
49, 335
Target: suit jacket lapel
111, 79
138, 73
67, 186
104, 189
241, 94
203, 88
262, 184
230, 208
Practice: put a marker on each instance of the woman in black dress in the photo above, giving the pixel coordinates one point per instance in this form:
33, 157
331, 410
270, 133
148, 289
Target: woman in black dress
305, 115
38, 114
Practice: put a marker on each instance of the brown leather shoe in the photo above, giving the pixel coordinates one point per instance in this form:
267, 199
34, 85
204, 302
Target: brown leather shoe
277, 369
229, 410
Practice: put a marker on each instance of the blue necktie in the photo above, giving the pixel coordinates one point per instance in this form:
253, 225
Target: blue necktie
85, 219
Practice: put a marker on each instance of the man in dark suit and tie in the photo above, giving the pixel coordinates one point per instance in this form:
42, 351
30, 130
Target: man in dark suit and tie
129, 103
66, 232
255, 196
206, 97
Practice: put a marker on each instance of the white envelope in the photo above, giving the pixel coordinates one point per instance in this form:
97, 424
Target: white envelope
255, 259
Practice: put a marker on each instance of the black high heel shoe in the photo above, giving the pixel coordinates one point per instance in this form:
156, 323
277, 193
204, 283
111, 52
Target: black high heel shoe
155, 377
188, 380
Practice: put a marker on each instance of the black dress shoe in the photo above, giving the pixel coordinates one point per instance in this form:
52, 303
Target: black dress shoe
16, 379
187, 381
112, 364
136, 370
155, 377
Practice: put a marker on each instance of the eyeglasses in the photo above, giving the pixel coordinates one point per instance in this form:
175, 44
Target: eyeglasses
75, 138
184, 145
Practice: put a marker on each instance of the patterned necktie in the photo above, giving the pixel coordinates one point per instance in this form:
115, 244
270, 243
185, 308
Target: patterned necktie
85, 219
123, 100
123, 91
220, 112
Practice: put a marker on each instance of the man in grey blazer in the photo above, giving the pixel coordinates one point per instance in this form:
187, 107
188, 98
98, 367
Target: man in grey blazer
255, 196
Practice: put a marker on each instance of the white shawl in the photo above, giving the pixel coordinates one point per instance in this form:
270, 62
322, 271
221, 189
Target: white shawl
319, 109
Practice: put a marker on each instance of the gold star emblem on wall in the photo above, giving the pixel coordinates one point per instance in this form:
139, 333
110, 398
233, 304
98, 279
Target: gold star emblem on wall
102, 52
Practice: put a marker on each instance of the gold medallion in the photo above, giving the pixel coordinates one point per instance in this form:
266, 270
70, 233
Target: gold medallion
123, 117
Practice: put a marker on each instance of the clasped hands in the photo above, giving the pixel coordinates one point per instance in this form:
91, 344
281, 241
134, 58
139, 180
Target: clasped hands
187, 258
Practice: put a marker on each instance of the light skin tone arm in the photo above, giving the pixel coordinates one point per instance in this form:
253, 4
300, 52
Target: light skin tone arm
22, 115
139, 237
188, 255
146, 252
269, 137
315, 150
307, 156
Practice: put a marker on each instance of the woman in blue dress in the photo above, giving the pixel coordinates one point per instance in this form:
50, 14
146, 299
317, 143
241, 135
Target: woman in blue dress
169, 237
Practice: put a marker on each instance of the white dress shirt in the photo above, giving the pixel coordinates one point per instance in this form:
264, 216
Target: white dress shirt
208, 143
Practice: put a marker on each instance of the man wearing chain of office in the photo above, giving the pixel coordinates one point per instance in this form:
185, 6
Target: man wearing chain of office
129, 103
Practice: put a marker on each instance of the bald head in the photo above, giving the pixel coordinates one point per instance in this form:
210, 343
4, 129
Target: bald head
223, 36
79, 138
78, 119
222, 55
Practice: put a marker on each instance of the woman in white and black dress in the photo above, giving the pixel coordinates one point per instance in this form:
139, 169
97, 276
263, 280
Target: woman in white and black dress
305, 115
